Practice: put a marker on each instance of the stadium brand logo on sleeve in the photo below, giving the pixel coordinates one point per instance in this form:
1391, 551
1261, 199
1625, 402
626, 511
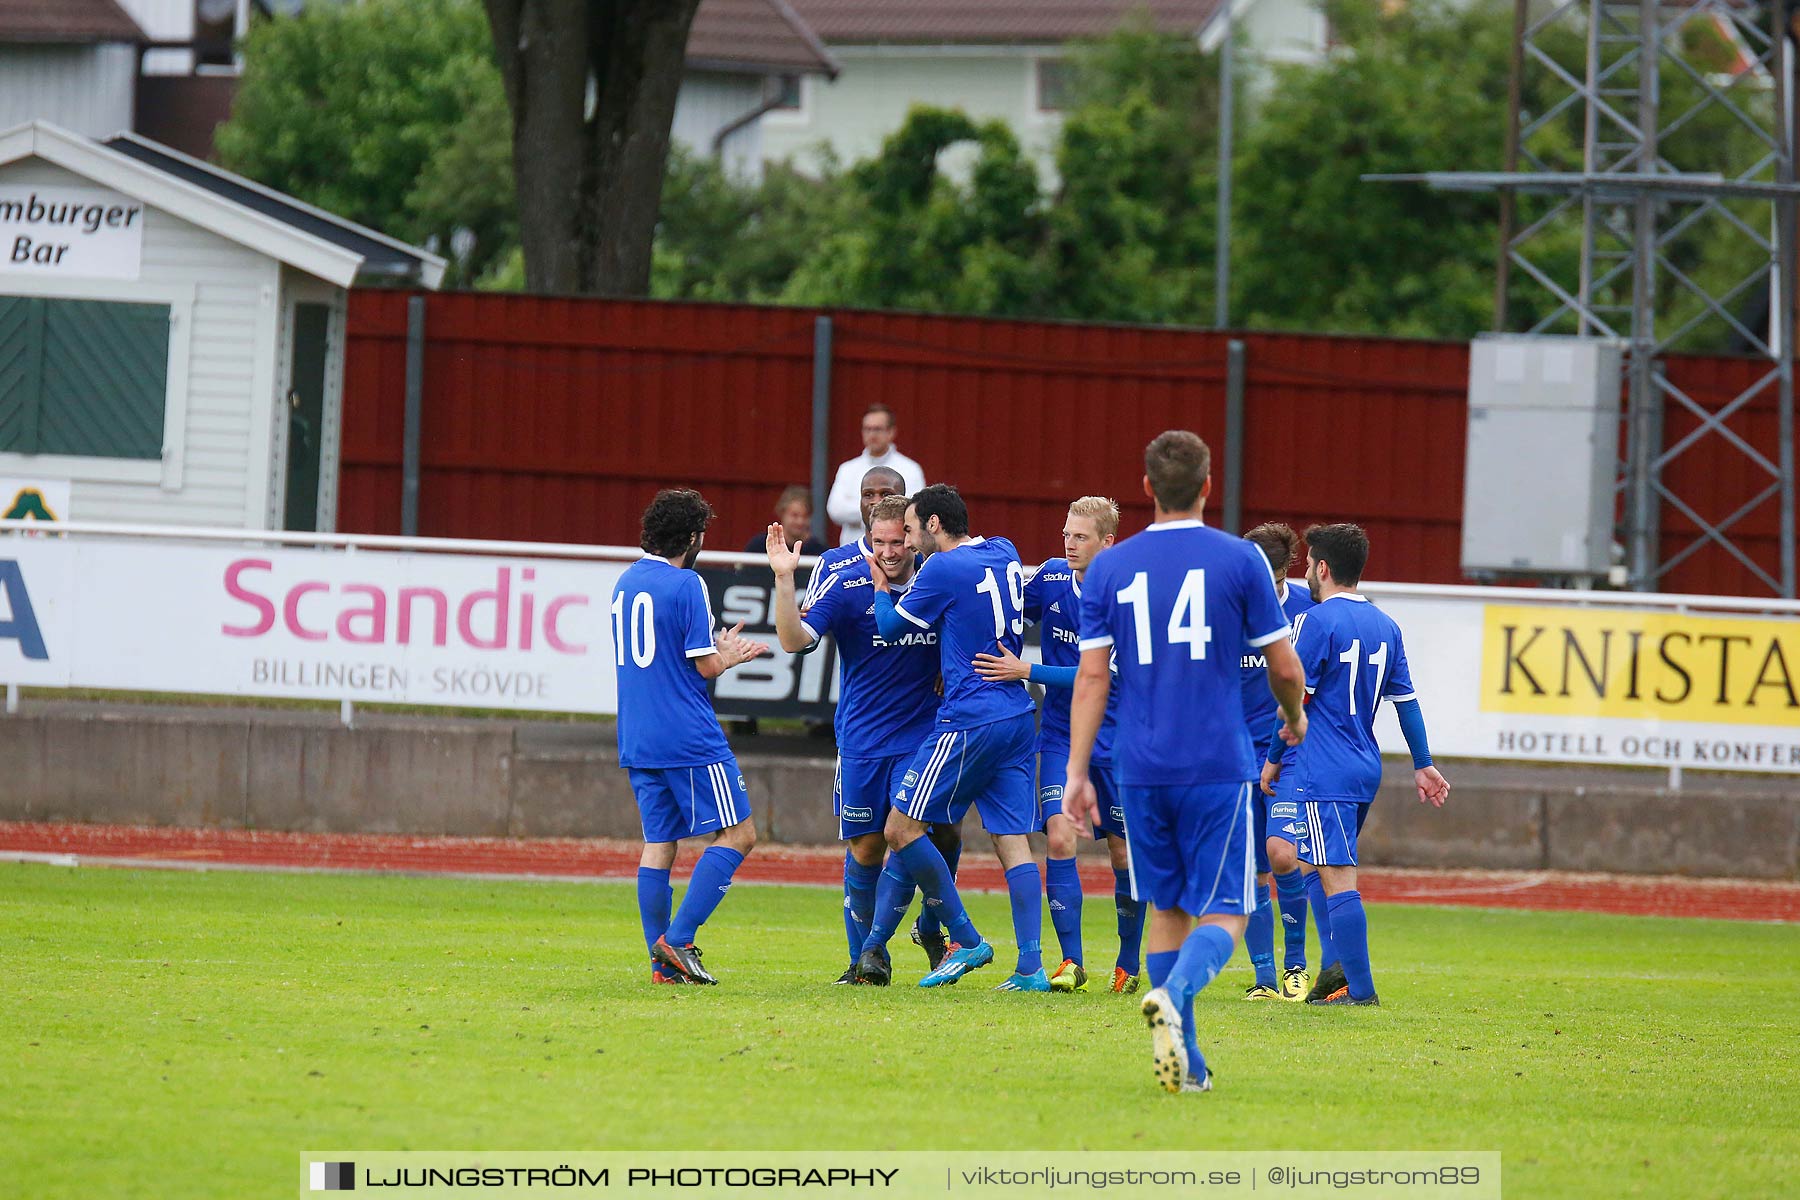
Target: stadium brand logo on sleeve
333, 1177
1660, 665
20, 624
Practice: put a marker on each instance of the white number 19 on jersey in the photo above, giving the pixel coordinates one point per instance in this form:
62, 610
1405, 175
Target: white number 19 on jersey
1187, 622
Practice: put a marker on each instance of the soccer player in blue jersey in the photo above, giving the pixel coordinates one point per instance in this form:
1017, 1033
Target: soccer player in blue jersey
1172, 611
887, 699
1281, 546
971, 592
878, 483
1354, 659
1053, 602
682, 771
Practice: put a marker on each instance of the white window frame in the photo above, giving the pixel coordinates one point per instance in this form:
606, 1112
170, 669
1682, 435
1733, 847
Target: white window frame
166, 474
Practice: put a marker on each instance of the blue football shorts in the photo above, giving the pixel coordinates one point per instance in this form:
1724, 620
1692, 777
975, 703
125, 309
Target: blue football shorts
1190, 846
863, 791
683, 802
989, 766
1053, 775
1324, 832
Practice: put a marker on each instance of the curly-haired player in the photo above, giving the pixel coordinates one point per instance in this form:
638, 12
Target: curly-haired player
682, 771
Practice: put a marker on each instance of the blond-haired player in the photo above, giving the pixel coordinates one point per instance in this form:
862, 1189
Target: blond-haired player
1053, 601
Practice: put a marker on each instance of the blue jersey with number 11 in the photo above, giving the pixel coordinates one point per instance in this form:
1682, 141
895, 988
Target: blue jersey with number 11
1179, 604
1354, 660
974, 596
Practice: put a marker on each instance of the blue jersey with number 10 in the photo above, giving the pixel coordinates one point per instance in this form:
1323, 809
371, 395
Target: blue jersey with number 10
1354, 660
974, 596
660, 621
1179, 604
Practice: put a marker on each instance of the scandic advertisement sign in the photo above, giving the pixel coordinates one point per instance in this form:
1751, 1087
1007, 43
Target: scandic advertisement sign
1555, 680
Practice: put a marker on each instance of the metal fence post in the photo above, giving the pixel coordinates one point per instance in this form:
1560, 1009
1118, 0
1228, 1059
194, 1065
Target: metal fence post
415, 390
1233, 516
821, 423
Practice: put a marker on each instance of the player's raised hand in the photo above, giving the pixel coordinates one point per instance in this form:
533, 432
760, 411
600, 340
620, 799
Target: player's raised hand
784, 559
735, 648
1270, 773
1080, 802
877, 574
1434, 789
998, 668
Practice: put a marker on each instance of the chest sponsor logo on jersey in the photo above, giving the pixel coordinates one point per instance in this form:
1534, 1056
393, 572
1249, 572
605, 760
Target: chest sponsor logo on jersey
1065, 635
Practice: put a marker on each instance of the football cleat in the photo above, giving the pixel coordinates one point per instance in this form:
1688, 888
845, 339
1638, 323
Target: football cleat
1070, 977
1329, 981
935, 945
1342, 996
658, 975
959, 962
874, 968
1168, 1054
1037, 981
1124, 984
1261, 991
683, 960
849, 976
1204, 1085
1294, 983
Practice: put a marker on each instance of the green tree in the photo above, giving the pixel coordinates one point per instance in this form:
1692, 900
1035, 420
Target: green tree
913, 235
382, 112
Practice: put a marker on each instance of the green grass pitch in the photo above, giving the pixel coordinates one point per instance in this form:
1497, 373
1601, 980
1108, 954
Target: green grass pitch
167, 1033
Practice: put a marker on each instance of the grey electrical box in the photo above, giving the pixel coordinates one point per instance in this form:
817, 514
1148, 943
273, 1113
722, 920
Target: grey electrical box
1542, 455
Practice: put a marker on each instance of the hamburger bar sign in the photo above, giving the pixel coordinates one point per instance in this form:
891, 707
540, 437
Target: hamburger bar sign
70, 232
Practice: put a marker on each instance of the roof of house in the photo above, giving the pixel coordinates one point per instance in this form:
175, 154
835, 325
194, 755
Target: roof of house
66, 21
951, 22
759, 36
281, 227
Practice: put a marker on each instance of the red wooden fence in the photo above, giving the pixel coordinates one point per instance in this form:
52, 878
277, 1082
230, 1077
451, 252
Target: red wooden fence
555, 419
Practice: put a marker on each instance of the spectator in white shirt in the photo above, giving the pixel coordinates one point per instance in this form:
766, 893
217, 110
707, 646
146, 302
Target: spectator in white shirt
845, 503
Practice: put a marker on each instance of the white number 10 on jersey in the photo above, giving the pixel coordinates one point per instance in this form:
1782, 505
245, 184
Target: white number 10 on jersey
1187, 623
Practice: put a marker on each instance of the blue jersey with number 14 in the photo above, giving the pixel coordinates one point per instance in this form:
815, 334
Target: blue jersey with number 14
974, 596
1179, 604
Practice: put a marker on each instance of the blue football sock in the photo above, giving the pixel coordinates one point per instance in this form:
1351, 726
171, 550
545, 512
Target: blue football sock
859, 901
1350, 933
1290, 893
1196, 1061
894, 890
1026, 890
932, 874
1259, 938
1315, 896
706, 887
655, 899
1203, 955
1131, 922
1062, 884
929, 925
1159, 963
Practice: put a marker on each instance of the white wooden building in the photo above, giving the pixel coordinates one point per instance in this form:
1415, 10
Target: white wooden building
172, 336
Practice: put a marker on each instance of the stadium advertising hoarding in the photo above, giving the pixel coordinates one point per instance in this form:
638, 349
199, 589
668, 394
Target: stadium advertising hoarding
1591, 683
435, 629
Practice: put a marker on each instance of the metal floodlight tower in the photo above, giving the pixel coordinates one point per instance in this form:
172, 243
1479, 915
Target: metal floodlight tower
1630, 201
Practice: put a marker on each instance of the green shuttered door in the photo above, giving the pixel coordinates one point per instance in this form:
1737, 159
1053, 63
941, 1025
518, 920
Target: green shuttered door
83, 377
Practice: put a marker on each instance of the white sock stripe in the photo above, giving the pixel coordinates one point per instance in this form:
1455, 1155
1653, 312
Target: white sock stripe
928, 777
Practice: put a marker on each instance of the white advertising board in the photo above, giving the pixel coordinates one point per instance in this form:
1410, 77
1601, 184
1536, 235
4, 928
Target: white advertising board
1541, 680
70, 233
436, 629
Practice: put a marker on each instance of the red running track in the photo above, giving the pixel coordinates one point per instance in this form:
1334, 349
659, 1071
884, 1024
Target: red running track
569, 858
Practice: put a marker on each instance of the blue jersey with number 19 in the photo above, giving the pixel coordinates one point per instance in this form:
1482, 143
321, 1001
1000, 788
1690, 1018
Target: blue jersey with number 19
1179, 604
661, 620
974, 596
